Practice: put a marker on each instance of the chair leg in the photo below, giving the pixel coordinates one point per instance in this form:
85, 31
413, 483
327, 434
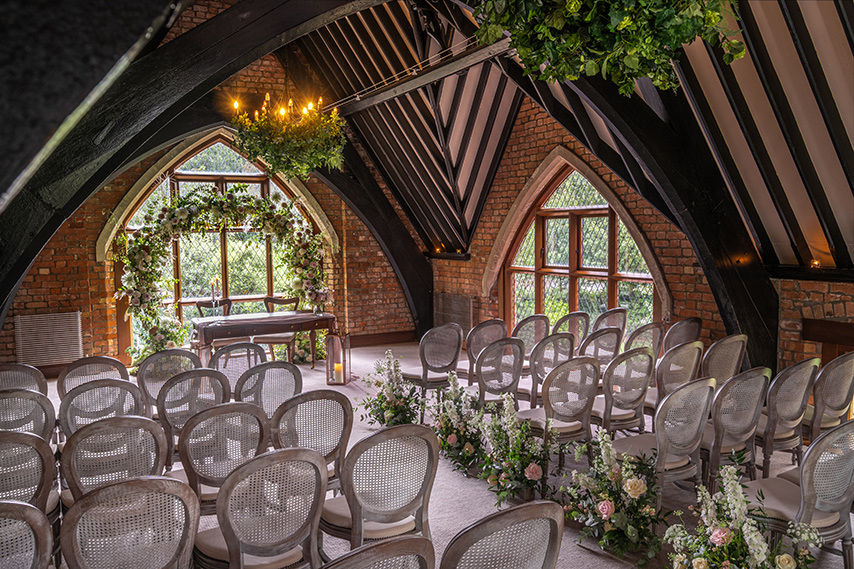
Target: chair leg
766, 464
423, 398
847, 553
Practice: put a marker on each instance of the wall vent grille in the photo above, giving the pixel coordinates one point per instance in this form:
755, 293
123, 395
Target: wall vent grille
452, 308
48, 339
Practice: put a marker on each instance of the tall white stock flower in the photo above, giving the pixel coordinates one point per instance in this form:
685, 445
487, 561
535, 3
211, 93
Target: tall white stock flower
756, 544
707, 508
736, 502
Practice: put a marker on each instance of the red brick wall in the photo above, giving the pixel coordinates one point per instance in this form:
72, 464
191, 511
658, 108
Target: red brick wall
534, 136
808, 299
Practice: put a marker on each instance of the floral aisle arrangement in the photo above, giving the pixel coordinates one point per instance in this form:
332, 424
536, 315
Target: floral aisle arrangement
145, 251
456, 422
515, 461
397, 402
727, 538
616, 501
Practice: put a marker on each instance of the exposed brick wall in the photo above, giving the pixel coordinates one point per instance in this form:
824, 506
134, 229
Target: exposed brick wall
808, 299
534, 136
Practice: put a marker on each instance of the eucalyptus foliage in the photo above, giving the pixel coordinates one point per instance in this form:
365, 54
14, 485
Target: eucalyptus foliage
291, 144
621, 40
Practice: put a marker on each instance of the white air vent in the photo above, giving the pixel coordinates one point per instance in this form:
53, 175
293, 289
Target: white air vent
48, 339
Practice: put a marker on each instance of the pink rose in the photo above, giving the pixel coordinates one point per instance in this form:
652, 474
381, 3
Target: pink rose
452, 439
721, 536
533, 471
606, 509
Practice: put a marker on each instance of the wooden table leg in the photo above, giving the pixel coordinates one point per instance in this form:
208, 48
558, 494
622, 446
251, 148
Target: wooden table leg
312, 336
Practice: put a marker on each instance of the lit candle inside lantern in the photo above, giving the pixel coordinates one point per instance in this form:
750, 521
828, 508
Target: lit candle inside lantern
338, 374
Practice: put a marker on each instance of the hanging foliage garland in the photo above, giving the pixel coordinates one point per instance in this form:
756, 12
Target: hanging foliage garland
621, 40
144, 253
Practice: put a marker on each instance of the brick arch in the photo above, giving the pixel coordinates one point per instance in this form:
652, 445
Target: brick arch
178, 154
558, 158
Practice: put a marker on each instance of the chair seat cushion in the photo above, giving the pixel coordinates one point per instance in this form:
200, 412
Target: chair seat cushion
727, 446
283, 338
650, 400
537, 417
793, 475
209, 493
414, 374
763, 424
827, 421
616, 413
782, 500
644, 445
211, 542
66, 497
336, 512
52, 501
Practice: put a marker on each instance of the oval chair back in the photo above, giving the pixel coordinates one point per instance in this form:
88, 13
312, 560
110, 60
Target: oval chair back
159, 367
687, 330
142, 522
402, 552
613, 318
27, 411
602, 344
723, 358
112, 449
22, 376
100, 399
27, 536
832, 393
84, 370
827, 480
499, 367
576, 323
236, 359
321, 420
650, 335
549, 352
478, 338
28, 467
522, 537
268, 385
531, 330
625, 382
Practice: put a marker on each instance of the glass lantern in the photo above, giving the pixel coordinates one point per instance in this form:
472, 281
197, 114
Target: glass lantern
338, 360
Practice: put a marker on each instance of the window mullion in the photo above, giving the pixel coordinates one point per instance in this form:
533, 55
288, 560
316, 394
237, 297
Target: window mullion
539, 262
612, 259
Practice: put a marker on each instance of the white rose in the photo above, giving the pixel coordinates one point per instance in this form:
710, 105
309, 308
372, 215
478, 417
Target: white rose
680, 561
785, 561
634, 487
700, 563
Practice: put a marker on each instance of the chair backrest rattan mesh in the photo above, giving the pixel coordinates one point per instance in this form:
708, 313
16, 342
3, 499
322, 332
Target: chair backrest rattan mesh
833, 390
89, 369
737, 406
27, 536
481, 336
388, 476
687, 330
827, 475
788, 397
650, 335
681, 419
569, 390
531, 330
626, 380
235, 359
499, 367
677, 366
522, 537
27, 411
27, 468
111, 450
22, 376
439, 348
602, 344
271, 504
268, 385
575, 323
142, 523
215, 441
321, 420
612, 318
547, 355
188, 393
159, 367
401, 552
100, 399
723, 358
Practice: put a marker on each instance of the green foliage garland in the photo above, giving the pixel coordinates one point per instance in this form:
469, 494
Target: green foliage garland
620, 39
144, 253
289, 145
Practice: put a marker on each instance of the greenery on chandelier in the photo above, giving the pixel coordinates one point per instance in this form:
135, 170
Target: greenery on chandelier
620, 39
291, 142
145, 251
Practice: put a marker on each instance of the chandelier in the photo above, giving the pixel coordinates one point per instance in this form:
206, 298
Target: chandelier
290, 141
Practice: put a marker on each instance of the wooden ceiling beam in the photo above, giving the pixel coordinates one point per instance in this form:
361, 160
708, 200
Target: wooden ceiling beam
794, 138
750, 130
721, 151
468, 128
433, 73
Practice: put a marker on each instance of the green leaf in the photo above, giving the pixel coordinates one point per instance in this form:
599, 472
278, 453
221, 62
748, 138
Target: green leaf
591, 67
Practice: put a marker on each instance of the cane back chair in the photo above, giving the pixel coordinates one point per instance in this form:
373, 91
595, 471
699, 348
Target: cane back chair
402, 552
27, 470
602, 344
650, 335
575, 323
235, 359
27, 537
687, 330
89, 369
531, 330
546, 355
27, 411
613, 318
498, 369
100, 399
723, 358
159, 367
833, 391
624, 384
439, 350
477, 339
22, 376
268, 385
677, 366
